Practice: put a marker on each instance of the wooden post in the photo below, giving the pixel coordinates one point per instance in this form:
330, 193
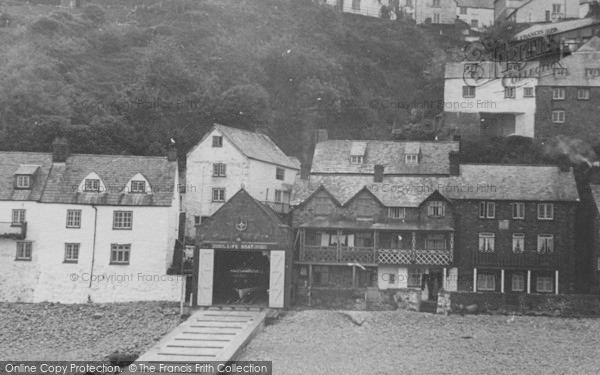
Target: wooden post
339, 245
502, 281
375, 246
556, 281
528, 281
353, 277
444, 282
309, 284
474, 279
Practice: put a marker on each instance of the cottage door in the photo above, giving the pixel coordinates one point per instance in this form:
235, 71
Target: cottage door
277, 279
205, 277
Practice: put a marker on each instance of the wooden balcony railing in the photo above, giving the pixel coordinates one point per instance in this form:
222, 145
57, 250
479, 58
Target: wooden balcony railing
12, 230
280, 208
525, 259
417, 257
332, 254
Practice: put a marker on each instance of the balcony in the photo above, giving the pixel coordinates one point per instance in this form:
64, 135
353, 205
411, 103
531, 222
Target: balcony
416, 257
12, 230
526, 259
280, 208
332, 254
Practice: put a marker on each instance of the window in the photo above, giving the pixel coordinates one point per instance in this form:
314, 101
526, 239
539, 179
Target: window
23, 182
414, 278
463, 10
436, 3
396, 212
218, 194
363, 206
510, 92
555, 8
355, 159
278, 195
528, 92
73, 218
544, 284
435, 208
558, 93
469, 91
487, 210
517, 282
436, 18
558, 117
545, 211
119, 254
18, 217
486, 242
518, 243
138, 186
196, 219
23, 251
474, 23
545, 243
356, 4
583, 94
219, 170
518, 210
122, 219
435, 242
322, 206
320, 275
364, 239
217, 141
92, 184
279, 173
560, 72
412, 159
486, 281
71, 252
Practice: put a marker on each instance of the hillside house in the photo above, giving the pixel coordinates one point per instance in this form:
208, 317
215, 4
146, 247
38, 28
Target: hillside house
534, 11
229, 159
77, 228
479, 14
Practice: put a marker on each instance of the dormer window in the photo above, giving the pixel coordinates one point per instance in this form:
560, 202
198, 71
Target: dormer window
355, 159
92, 185
138, 186
357, 152
23, 182
435, 209
412, 159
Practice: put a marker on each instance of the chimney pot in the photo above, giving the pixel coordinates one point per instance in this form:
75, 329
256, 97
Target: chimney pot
378, 173
321, 135
60, 150
172, 153
454, 163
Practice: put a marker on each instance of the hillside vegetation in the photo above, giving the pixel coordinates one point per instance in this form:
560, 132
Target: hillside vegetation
125, 76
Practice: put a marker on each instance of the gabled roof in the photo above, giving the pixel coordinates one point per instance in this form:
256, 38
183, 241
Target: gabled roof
334, 157
592, 45
555, 28
476, 182
59, 182
27, 169
258, 146
487, 4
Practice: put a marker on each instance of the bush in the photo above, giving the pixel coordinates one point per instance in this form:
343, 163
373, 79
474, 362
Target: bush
45, 25
94, 13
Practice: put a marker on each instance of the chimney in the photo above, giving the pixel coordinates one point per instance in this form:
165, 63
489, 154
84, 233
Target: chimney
456, 138
564, 164
378, 176
594, 175
454, 163
60, 150
320, 135
172, 153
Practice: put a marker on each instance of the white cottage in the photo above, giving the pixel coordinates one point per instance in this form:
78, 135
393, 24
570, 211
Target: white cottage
229, 159
77, 228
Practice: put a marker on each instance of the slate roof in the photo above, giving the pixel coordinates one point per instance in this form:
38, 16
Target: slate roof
596, 195
476, 182
334, 157
488, 4
258, 146
59, 182
587, 56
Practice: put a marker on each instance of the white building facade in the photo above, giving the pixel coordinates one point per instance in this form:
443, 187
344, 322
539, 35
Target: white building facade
533, 11
479, 14
228, 159
70, 237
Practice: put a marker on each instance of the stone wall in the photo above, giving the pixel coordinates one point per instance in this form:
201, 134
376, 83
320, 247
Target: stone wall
534, 304
355, 299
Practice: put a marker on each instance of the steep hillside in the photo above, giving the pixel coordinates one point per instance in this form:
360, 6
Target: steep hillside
126, 77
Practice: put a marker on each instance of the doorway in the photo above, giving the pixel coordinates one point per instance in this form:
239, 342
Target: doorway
241, 278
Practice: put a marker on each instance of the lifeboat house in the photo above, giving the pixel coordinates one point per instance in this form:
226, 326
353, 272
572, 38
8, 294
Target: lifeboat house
243, 256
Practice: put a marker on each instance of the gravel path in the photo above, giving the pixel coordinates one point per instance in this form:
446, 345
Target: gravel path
47, 331
327, 342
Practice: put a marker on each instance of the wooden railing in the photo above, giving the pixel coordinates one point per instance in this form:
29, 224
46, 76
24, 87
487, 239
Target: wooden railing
417, 257
12, 230
280, 208
332, 254
525, 259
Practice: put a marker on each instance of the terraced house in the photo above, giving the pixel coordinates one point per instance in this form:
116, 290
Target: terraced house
77, 228
408, 215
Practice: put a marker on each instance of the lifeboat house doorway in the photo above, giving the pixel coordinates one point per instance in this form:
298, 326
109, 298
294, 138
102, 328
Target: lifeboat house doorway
243, 256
